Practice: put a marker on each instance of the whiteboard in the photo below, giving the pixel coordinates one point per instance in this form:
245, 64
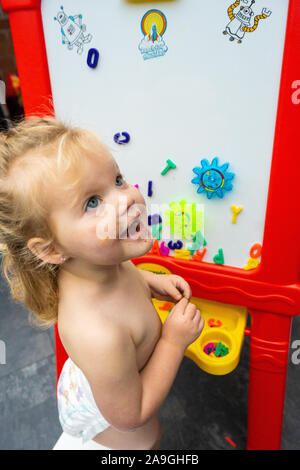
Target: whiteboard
207, 95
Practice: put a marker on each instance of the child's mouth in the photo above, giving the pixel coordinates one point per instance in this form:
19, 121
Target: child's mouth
137, 230
132, 232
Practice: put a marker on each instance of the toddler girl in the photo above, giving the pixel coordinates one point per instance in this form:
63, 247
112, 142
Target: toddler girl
69, 226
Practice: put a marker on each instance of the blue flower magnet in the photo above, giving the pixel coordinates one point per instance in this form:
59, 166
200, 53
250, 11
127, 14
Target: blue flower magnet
213, 180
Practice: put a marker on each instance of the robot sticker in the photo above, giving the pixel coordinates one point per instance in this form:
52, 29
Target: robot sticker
72, 30
153, 26
240, 22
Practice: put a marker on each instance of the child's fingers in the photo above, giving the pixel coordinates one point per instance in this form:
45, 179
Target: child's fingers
173, 291
181, 305
196, 315
201, 324
183, 287
190, 309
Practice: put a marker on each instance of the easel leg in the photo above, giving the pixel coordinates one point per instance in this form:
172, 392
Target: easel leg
269, 348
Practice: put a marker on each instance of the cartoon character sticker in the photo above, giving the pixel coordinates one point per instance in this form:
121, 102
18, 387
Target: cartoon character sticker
72, 30
240, 22
153, 26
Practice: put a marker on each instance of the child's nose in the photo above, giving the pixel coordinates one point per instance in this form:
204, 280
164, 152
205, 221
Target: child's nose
124, 203
131, 210
130, 204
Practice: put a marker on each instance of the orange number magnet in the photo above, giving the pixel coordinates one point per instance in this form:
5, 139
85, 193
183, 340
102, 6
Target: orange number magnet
214, 323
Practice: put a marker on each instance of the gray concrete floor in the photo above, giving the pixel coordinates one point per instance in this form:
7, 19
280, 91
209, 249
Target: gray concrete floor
200, 410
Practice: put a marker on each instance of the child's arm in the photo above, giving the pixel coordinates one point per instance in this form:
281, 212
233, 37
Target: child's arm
169, 287
158, 376
126, 397
148, 276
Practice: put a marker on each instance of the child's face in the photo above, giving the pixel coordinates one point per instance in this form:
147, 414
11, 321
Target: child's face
104, 207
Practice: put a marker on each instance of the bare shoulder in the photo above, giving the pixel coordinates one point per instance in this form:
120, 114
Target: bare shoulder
88, 336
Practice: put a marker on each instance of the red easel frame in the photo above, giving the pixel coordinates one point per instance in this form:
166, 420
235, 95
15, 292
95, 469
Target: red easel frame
271, 292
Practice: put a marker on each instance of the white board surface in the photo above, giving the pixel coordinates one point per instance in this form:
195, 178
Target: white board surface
206, 97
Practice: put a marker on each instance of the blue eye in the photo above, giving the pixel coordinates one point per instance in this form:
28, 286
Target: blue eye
118, 178
93, 198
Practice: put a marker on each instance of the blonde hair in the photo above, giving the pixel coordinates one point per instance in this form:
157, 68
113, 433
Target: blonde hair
34, 151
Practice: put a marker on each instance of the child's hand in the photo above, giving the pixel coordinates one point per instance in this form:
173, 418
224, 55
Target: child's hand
183, 325
170, 287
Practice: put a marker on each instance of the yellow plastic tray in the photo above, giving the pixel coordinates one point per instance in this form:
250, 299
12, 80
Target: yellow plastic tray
230, 333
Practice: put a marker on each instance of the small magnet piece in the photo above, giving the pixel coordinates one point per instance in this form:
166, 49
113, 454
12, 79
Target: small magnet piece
155, 248
221, 350
219, 258
198, 240
182, 254
213, 323
150, 192
164, 250
170, 165
199, 255
210, 347
194, 217
251, 264
175, 246
172, 221
122, 138
156, 231
154, 219
92, 58
166, 306
255, 251
213, 179
230, 441
198, 237
235, 212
